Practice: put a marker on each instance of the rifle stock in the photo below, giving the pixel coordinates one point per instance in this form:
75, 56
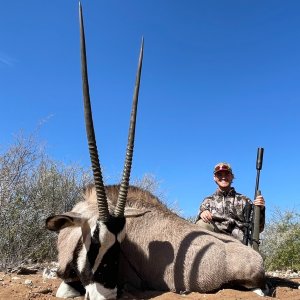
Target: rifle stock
248, 225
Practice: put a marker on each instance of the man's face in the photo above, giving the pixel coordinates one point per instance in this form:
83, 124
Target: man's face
223, 179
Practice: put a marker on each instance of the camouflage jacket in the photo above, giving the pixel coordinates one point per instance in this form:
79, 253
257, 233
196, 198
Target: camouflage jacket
228, 210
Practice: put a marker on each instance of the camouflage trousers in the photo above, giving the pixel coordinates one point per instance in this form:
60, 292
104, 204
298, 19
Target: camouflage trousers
237, 233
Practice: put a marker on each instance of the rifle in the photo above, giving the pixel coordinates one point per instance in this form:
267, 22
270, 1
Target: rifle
251, 229
248, 224
256, 217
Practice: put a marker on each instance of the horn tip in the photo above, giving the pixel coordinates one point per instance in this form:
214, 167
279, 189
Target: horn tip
80, 7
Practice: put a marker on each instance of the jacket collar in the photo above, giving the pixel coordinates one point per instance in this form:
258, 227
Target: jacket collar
230, 193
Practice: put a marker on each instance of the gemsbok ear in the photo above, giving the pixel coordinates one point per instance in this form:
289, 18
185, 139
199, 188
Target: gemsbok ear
131, 212
58, 222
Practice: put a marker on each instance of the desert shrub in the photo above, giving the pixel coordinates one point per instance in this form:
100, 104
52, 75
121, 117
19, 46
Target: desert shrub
192, 219
151, 184
281, 241
32, 187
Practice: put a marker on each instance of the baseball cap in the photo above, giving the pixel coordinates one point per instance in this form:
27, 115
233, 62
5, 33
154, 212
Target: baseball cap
222, 166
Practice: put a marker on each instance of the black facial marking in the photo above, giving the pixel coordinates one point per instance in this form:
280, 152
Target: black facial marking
115, 225
107, 271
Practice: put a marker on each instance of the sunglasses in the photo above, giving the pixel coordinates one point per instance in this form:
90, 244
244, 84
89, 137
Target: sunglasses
222, 168
223, 173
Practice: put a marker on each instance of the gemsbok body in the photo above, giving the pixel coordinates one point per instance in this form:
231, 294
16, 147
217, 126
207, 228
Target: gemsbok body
102, 245
161, 251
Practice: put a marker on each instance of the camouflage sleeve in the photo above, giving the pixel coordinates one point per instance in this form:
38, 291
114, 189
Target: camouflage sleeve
205, 205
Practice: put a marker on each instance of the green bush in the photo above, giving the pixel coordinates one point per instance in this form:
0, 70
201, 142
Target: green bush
281, 241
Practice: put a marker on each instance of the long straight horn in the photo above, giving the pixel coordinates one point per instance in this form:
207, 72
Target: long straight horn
119, 210
100, 191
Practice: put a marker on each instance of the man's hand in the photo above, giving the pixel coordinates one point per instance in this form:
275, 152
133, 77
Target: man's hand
259, 201
206, 216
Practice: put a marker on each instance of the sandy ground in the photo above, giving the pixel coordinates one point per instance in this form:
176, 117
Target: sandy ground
23, 287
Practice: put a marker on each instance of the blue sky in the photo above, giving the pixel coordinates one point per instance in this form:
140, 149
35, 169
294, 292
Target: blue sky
219, 80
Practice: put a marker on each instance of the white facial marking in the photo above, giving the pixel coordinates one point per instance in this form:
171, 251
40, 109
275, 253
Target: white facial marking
82, 258
66, 291
86, 240
95, 291
259, 292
